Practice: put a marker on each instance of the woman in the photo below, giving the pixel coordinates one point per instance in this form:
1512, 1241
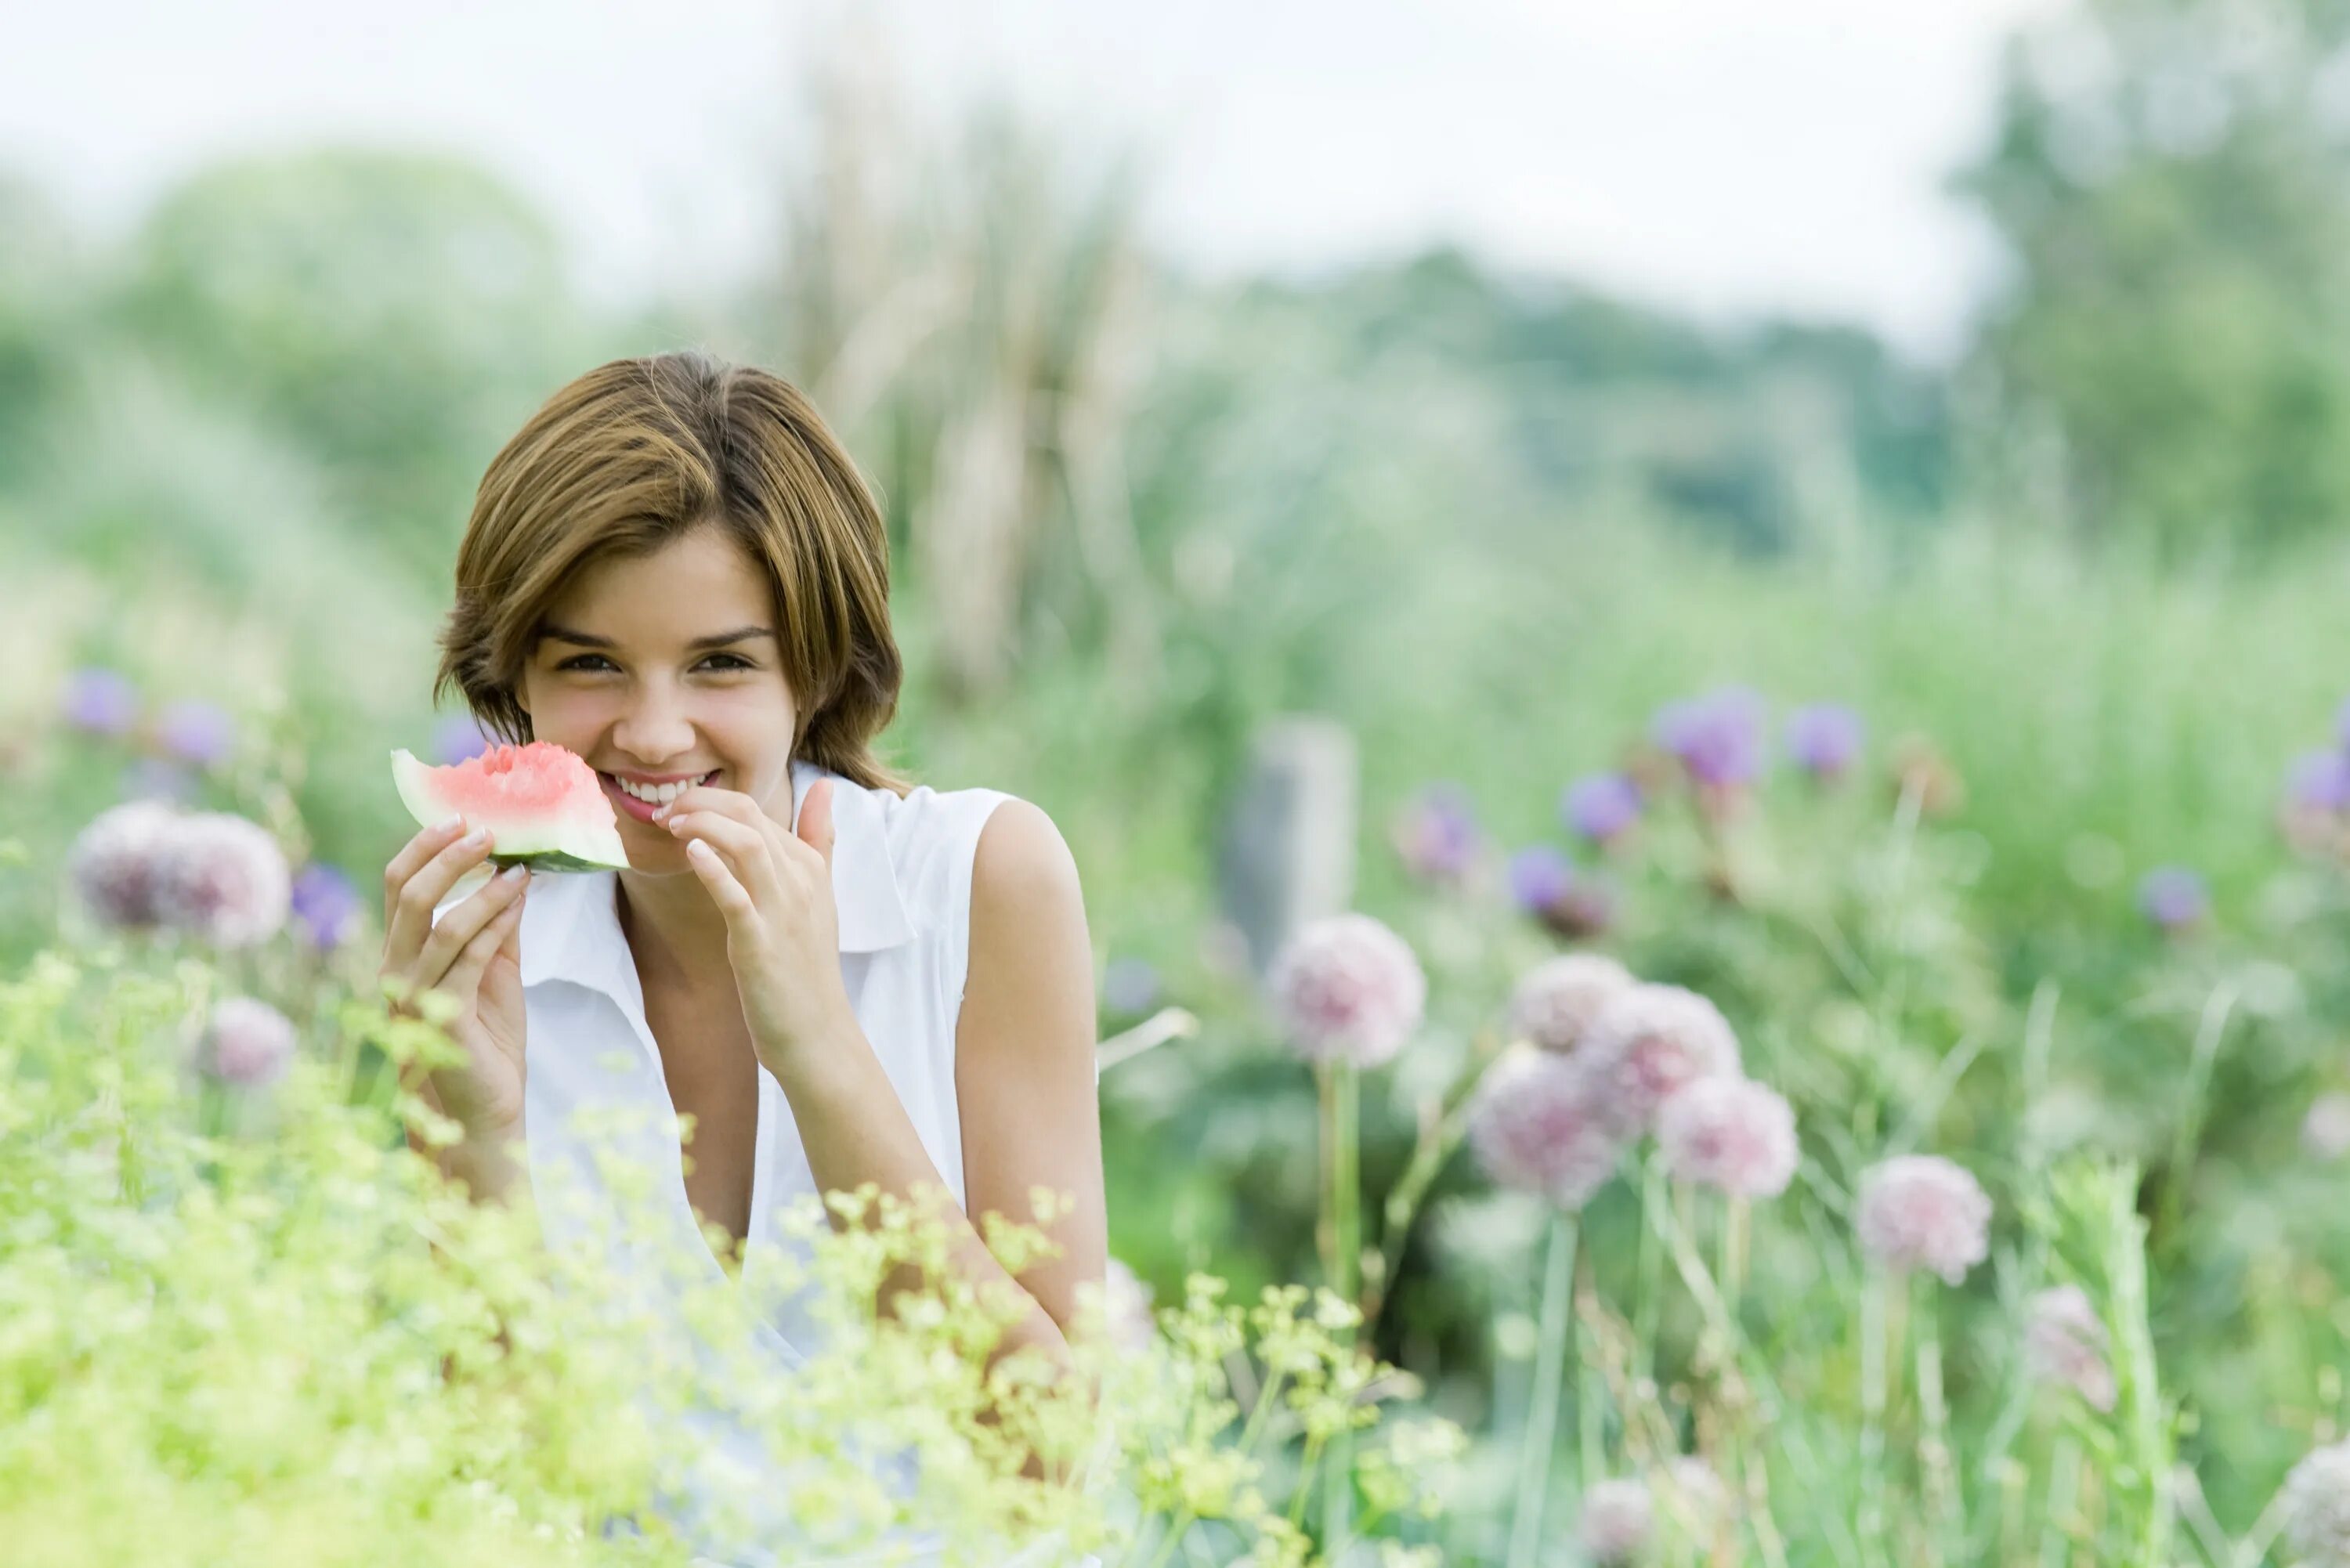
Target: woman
675, 571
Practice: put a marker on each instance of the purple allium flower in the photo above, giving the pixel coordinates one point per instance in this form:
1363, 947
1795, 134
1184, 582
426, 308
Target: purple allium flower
152, 778
2318, 782
2314, 1505
2173, 897
1920, 1211
2064, 1341
116, 862
2325, 1130
1729, 1133
1617, 1518
99, 701
1539, 877
1718, 736
1650, 1041
247, 1042
457, 738
1825, 739
326, 904
1554, 1001
1602, 807
1436, 833
1129, 985
1540, 1123
203, 733
1545, 884
225, 880
1347, 986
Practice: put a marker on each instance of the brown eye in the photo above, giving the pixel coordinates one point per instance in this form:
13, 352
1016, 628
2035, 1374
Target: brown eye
579, 660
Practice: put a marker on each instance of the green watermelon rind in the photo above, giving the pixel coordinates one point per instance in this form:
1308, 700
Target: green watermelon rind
551, 846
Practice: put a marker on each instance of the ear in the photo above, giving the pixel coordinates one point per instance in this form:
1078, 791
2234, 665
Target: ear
816, 819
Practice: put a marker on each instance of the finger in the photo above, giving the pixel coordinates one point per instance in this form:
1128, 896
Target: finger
410, 927
725, 891
465, 922
814, 827
464, 976
427, 842
710, 797
745, 850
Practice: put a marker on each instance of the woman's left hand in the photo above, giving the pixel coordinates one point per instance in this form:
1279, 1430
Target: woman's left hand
774, 888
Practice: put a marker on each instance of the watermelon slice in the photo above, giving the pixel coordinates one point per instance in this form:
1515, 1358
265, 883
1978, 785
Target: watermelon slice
542, 803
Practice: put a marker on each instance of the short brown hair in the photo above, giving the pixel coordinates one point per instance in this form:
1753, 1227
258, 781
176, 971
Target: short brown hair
637, 452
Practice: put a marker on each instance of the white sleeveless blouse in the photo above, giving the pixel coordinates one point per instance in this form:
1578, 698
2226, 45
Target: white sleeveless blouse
902, 885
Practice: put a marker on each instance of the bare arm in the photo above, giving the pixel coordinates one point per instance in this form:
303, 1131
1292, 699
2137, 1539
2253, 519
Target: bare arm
1024, 1078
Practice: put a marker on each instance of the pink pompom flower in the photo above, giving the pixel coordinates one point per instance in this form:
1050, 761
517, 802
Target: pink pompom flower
224, 880
116, 863
1618, 1516
1554, 1001
1698, 1491
1541, 1124
1651, 1041
2314, 1506
1920, 1211
247, 1044
1346, 986
2065, 1342
1729, 1133
2325, 1130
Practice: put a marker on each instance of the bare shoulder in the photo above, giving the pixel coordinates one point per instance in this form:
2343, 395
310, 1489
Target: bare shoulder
1031, 955
1023, 864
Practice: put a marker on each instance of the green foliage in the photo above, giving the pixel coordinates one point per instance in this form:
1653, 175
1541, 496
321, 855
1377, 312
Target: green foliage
2169, 180
395, 315
261, 1328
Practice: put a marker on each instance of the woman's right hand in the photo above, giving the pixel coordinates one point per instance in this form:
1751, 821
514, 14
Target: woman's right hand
474, 957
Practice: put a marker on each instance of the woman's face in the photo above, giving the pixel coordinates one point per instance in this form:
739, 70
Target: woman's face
638, 668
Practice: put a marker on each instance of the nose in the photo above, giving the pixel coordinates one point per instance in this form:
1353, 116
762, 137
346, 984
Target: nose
657, 727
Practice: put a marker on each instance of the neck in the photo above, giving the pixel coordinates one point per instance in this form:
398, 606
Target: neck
677, 934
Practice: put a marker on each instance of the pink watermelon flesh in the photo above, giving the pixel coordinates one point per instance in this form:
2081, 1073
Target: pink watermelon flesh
542, 803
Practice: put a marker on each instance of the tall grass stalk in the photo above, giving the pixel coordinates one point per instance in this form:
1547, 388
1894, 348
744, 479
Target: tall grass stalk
1542, 1415
1872, 1412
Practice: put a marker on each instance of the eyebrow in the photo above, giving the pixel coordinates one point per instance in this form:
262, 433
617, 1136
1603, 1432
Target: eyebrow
718, 640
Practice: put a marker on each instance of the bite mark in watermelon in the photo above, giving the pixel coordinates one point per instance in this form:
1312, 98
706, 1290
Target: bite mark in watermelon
542, 803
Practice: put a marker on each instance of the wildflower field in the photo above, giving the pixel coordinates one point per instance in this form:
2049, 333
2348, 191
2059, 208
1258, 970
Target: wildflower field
1834, 1051
1706, 1140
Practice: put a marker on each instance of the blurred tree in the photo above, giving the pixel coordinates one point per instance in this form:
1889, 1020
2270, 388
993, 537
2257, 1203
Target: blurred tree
2170, 178
1730, 433
43, 265
394, 313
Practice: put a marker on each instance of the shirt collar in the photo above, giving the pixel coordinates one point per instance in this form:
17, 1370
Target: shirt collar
575, 934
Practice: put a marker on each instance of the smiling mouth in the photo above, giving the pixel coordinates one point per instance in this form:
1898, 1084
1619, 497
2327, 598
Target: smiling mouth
632, 805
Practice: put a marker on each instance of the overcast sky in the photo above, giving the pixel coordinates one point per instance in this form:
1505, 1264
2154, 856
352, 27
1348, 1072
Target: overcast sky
1725, 156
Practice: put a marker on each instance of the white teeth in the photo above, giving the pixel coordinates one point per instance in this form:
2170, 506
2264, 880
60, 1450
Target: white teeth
661, 794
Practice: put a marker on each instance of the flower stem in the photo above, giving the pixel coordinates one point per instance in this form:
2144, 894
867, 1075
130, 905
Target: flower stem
1651, 1266
1948, 1522
1872, 1414
1341, 1127
1541, 1416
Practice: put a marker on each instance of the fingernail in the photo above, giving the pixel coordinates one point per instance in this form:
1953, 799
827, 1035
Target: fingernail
451, 825
514, 872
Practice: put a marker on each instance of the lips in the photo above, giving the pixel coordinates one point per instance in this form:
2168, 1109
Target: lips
627, 805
